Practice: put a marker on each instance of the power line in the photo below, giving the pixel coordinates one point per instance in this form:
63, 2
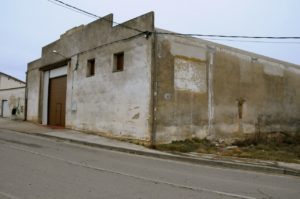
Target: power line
79, 10
110, 43
69, 8
226, 36
254, 41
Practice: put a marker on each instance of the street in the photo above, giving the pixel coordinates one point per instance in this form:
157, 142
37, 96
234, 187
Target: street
36, 167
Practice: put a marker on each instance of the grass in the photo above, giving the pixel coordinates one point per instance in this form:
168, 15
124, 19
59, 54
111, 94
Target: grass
188, 145
272, 146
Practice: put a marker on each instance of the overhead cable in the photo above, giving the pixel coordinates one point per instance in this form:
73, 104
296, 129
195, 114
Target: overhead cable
63, 4
79, 10
253, 41
227, 36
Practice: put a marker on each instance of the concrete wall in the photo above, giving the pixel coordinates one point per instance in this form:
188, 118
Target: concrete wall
16, 99
182, 90
112, 103
97, 33
253, 93
182, 87
33, 90
7, 82
210, 90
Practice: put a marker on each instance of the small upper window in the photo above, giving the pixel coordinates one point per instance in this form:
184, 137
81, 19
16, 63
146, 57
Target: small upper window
90, 68
118, 62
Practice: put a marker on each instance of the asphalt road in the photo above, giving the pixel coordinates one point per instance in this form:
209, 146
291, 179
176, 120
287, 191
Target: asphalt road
35, 167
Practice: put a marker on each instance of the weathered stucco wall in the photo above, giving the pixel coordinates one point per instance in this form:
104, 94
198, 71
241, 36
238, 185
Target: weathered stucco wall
97, 33
116, 104
16, 99
179, 88
7, 82
254, 94
210, 90
181, 101
33, 90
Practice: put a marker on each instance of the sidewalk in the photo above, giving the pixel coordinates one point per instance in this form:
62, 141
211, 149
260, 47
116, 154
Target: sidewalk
112, 144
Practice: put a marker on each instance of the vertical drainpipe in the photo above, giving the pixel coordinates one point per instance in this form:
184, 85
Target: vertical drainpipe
211, 51
154, 89
26, 97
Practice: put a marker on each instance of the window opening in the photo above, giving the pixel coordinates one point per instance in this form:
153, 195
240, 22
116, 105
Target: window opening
90, 67
118, 62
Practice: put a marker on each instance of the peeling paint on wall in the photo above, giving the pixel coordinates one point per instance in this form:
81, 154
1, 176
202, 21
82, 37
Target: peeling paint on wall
189, 75
274, 69
294, 70
188, 50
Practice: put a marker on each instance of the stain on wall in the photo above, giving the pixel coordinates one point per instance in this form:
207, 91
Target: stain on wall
109, 103
253, 94
16, 100
189, 74
248, 94
197, 88
182, 78
113, 103
33, 90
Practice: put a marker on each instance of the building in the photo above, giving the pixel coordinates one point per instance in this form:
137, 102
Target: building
137, 81
12, 97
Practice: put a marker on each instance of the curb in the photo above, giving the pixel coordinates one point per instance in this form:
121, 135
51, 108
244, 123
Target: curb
181, 158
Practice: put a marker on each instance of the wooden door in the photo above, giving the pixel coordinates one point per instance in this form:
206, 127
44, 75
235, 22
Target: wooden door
57, 101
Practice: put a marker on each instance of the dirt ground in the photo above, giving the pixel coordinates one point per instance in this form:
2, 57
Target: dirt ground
275, 146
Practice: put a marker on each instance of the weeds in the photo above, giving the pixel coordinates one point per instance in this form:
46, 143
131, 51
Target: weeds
276, 146
188, 145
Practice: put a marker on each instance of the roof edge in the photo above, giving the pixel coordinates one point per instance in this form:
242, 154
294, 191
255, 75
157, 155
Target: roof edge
14, 78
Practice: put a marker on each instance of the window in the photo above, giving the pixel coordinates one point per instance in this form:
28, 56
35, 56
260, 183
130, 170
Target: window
90, 68
118, 62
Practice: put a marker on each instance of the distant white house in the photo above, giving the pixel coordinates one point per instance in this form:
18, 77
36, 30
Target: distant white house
12, 97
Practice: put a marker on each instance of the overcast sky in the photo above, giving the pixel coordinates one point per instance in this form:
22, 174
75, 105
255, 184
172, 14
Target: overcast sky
28, 25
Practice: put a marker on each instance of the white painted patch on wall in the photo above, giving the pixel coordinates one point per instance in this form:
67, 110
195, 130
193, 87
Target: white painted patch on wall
294, 70
189, 75
58, 72
188, 51
236, 54
274, 69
